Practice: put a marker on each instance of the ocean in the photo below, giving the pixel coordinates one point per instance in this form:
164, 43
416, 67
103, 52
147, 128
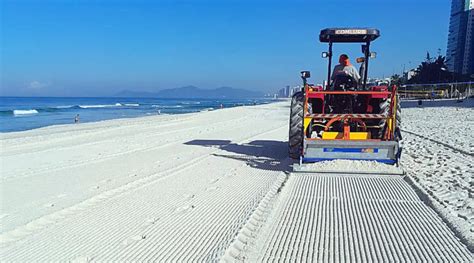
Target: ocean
26, 113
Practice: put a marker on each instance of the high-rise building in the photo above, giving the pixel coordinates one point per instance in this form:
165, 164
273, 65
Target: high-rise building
468, 62
460, 51
287, 91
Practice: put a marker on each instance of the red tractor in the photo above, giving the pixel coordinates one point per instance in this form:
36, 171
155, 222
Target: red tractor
347, 118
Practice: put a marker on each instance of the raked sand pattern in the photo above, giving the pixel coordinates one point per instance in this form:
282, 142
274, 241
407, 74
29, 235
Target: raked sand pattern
347, 218
201, 187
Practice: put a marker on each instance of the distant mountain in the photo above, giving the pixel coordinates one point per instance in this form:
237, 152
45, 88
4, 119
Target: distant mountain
191, 92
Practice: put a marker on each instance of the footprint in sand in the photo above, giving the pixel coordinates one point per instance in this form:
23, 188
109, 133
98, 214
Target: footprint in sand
185, 208
213, 181
189, 196
82, 259
2, 216
105, 181
212, 188
133, 239
151, 221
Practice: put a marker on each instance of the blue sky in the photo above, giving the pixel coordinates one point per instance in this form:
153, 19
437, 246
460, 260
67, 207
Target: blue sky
97, 48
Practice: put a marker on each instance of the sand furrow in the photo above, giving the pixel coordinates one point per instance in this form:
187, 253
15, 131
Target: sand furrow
86, 177
358, 219
39, 140
146, 221
154, 194
160, 139
49, 219
177, 230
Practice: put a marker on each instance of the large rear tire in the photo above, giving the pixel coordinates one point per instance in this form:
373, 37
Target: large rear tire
398, 134
295, 138
384, 109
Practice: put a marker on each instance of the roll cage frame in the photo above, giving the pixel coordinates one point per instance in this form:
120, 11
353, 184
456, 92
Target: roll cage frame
349, 35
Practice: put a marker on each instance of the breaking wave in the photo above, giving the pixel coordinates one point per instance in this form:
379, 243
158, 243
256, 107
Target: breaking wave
100, 106
18, 112
167, 106
65, 107
24, 112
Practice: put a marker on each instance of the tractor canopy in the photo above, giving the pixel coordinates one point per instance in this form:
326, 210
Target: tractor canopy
348, 35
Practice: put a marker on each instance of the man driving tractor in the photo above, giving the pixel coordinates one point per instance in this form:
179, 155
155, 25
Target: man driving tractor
345, 68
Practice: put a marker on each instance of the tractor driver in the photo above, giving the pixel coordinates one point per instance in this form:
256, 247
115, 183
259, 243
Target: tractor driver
345, 68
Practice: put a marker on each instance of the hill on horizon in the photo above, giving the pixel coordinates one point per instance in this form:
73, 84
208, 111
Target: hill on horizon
192, 92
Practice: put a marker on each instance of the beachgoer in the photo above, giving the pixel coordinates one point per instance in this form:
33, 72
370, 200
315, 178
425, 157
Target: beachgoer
345, 68
457, 94
76, 119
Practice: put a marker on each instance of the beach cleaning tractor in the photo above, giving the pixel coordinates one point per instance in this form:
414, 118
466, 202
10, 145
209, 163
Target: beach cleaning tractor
347, 117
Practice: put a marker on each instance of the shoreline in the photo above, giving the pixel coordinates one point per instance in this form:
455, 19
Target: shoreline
32, 113
467, 103
122, 119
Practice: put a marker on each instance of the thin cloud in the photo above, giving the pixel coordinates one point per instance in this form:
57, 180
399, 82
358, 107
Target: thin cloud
37, 85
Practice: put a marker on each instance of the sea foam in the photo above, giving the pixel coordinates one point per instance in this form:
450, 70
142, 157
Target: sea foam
24, 112
100, 106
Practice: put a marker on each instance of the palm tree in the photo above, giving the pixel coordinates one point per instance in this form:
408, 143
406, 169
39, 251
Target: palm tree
432, 71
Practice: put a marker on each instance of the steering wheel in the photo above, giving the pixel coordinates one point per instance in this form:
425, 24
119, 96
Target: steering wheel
344, 82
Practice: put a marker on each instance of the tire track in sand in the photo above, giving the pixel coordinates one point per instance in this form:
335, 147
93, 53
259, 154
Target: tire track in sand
440, 142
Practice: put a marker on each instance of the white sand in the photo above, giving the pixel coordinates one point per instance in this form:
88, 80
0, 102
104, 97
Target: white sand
438, 155
164, 187
178, 187
450, 125
348, 218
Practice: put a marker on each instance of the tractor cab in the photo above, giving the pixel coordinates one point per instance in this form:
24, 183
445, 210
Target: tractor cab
345, 118
349, 35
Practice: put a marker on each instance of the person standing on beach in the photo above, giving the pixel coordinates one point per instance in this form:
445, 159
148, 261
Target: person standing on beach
76, 119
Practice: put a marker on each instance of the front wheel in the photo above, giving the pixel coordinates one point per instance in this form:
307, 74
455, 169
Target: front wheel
295, 138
